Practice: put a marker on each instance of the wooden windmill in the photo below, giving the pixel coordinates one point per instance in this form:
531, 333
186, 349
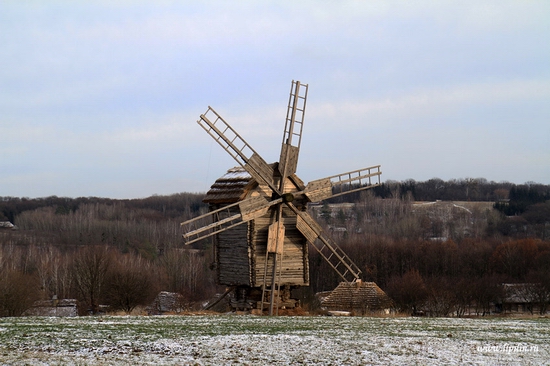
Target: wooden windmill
258, 215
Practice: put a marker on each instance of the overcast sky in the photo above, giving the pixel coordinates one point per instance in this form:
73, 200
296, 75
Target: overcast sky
101, 98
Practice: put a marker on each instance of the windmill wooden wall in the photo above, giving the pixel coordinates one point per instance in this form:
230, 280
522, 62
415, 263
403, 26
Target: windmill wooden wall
241, 251
293, 265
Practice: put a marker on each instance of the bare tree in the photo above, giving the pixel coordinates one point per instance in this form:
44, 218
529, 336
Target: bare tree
463, 295
486, 291
17, 292
90, 269
129, 283
440, 300
538, 288
514, 258
185, 271
408, 291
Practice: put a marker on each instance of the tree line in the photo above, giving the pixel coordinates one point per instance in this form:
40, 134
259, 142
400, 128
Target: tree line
442, 257
171, 206
122, 252
98, 275
100, 251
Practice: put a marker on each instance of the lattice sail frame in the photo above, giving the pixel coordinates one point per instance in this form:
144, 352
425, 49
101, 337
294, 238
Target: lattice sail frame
250, 208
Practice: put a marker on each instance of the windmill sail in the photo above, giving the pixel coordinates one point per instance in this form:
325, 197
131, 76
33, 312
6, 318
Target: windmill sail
224, 218
329, 250
340, 184
237, 147
272, 251
292, 136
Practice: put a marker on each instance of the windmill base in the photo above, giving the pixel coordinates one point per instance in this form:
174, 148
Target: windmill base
249, 299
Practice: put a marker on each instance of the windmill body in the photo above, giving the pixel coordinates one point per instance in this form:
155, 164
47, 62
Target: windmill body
258, 216
240, 252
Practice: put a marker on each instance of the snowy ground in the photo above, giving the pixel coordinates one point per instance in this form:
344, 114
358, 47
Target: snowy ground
253, 340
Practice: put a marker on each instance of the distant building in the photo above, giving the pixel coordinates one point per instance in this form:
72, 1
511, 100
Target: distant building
53, 307
167, 302
521, 298
6, 225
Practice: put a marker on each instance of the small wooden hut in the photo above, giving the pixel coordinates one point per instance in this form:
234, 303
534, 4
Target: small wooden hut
357, 297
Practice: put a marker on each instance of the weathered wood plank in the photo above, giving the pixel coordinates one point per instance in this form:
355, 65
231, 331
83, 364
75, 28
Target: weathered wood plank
310, 229
294, 266
276, 238
233, 257
260, 170
253, 207
319, 190
288, 160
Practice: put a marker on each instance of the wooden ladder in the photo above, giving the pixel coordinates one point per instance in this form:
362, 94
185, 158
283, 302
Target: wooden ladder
292, 136
271, 290
337, 259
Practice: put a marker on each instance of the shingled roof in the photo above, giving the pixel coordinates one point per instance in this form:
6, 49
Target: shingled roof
359, 297
233, 186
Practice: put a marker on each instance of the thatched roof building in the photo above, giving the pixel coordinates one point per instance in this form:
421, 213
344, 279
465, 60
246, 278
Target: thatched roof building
233, 186
240, 250
357, 297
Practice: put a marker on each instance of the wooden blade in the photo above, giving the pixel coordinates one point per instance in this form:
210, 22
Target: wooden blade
308, 227
329, 250
318, 190
340, 184
237, 147
254, 207
337, 259
209, 224
292, 136
225, 218
260, 171
288, 159
276, 238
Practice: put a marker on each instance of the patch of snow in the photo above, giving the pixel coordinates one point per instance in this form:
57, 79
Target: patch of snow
252, 340
462, 207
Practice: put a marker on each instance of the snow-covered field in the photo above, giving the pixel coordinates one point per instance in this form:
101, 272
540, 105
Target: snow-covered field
254, 340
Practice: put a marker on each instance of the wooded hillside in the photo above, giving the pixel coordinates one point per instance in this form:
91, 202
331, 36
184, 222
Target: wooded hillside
122, 252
